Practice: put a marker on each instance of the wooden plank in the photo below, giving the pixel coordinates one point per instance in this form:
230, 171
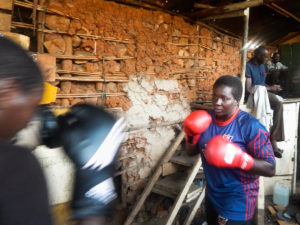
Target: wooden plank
173, 184
34, 14
169, 168
203, 6
194, 70
91, 79
203, 46
225, 9
276, 10
181, 196
274, 210
173, 196
244, 50
192, 213
154, 178
15, 24
80, 57
225, 15
30, 5
279, 208
94, 37
6, 4
5, 22
90, 95
285, 38
183, 159
96, 74
285, 12
201, 106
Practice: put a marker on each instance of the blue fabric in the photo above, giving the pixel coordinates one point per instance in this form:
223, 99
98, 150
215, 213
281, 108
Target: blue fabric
234, 191
256, 73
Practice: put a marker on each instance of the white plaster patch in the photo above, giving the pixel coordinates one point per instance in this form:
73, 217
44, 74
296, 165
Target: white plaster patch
150, 102
148, 106
158, 140
166, 85
161, 100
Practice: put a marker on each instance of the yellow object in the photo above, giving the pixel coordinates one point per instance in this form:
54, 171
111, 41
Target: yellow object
58, 112
20, 39
61, 213
49, 94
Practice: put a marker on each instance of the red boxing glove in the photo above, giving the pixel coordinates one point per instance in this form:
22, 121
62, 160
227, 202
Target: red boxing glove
220, 152
195, 124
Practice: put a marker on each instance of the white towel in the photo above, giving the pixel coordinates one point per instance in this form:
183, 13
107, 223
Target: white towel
259, 104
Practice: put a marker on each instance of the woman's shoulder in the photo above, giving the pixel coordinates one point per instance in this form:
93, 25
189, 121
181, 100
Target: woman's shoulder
246, 119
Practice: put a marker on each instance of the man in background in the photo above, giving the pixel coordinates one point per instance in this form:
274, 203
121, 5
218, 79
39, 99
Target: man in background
277, 73
256, 75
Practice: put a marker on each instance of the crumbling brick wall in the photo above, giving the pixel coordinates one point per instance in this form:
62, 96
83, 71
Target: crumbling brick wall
150, 65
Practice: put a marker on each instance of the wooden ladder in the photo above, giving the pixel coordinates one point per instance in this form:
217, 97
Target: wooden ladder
169, 180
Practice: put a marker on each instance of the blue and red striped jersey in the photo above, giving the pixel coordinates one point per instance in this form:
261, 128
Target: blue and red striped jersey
234, 191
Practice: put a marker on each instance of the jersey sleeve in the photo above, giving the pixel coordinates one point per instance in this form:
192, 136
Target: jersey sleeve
258, 142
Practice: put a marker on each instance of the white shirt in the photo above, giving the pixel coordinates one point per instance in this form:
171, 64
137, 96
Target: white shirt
275, 66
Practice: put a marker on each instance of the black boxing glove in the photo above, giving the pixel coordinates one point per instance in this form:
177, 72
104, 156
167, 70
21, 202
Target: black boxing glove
91, 138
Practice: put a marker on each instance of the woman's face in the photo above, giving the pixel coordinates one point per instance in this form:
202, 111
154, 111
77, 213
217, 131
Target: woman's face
223, 102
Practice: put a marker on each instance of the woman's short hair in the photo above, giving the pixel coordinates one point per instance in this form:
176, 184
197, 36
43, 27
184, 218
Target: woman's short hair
233, 82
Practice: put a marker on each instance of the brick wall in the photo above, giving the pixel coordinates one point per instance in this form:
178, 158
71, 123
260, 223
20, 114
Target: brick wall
154, 65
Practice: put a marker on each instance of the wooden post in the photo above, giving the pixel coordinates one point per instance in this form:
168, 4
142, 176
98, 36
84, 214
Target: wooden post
244, 51
153, 179
180, 198
193, 212
226, 15
225, 9
5, 18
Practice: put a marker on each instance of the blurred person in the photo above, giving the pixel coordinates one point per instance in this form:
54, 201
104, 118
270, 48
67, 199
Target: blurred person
23, 192
277, 73
89, 135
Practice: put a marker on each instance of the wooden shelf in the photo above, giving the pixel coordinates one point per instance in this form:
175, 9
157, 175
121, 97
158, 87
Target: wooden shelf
91, 95
93, 58
91, 79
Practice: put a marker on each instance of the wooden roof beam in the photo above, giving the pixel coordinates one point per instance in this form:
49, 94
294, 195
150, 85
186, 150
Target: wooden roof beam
278, 11
203, 6
225, 9
285, 38
282, 11
226, 15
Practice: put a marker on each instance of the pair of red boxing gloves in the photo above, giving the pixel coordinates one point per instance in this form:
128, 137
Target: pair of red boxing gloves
219, 152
